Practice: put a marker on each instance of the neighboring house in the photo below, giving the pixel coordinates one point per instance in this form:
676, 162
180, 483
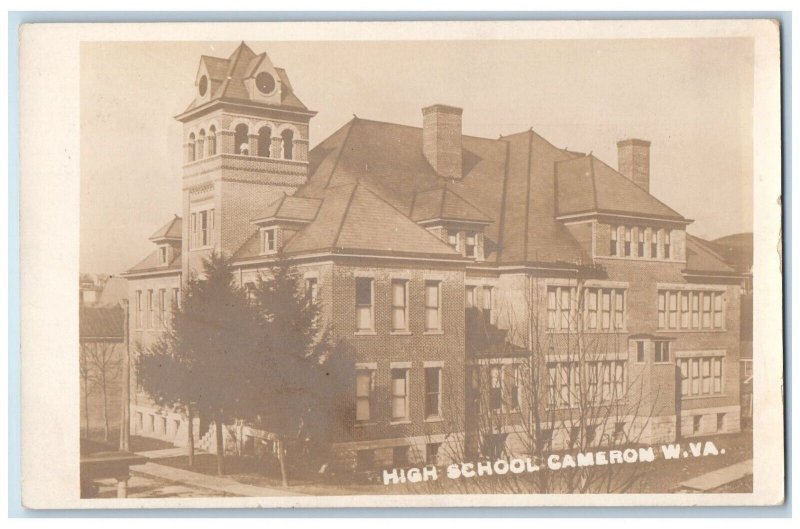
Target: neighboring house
400, 231
737, 250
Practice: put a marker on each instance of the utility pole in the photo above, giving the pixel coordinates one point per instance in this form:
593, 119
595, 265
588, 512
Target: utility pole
125, 426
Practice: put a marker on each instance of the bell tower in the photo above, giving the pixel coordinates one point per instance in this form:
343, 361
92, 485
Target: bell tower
245, 145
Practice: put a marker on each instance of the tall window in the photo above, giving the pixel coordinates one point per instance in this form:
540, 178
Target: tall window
613, 249
561, 305
365, 387
287, 137
696, 309
176, 298
201, 140
640, 245
399, 305
162, 255
202, 226
606, 308
452, 238
469, 292
661, 352
640, 355
365, 320
591, 309
241, 141
433, 306
151, 309
627, 242
192, 147
212, 140
399, 394
666, 244
516, 384
619, 310
654, 244
496, 388
139, 309
488, 302
269, 240
433, 392
469, 244
264, 141
700, 376
311, 289
162, 307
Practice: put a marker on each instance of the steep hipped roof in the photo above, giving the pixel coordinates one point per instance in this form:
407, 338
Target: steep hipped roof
353, 219
171, 230
114, 291
151, 263
101, 324
587, 185
291, 208
510, 178
445, 204
227, 77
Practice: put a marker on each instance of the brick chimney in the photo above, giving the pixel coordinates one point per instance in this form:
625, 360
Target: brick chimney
441, 139
633, 161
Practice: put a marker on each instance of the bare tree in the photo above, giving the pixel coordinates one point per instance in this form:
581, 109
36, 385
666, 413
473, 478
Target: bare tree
105, 364
85, 368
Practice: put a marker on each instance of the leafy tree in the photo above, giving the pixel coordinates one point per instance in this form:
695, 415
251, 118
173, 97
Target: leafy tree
212, 357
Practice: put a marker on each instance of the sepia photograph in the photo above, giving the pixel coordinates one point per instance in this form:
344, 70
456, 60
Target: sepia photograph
435, 267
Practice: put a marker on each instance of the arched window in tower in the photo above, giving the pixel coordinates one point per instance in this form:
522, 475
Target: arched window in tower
201, 141
212, 140
240, 140
264, 141
288, 137
191, 147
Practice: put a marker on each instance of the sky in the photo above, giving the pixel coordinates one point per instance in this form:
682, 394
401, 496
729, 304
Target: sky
692, 98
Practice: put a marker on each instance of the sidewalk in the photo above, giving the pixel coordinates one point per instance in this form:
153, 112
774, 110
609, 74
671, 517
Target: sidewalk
215, 483
717, 478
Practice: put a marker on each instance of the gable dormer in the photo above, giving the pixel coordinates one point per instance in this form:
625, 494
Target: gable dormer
278, 223
453, 219
263, 82
168, 240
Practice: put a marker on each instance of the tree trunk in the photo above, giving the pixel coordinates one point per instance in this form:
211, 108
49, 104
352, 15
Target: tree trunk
220, 448
105, 411
282, 460
190, 435
86, 408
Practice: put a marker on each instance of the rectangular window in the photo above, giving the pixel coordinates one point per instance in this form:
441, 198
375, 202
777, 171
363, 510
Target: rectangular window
592, 309
661, 352
564, 306
613, 249
561, 308
514, 390
673, 310
365, 386
662, 310
193, 237
432, 453
627, 242
176, 298
695, 297
452, 238
684, 310
718, 320
606, 321
552, 312
470, 297
433, 306
365, 320
399, 305
311, 289
619, 309
139, 309
720, 422
696, 421
700, 376
162, 255
640, 356
469, 244
488, 302
706, 310
666, 244
640, 246
433, 392
269, 240
399, 394
151, 309
654, 245
496, 388
162, 307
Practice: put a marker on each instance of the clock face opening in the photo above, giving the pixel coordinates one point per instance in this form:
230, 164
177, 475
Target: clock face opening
265, 83
203, 85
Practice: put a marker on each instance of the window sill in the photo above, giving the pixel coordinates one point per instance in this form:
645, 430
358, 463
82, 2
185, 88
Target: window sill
700, 397
403, 421
434, 419
689, 331
201, 248
365, 333
433, 333
364, 424
400, 333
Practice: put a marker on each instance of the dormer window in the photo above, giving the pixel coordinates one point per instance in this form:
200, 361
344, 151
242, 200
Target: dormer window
666, 244
269, 240
469, 244
163, 255
452, 239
